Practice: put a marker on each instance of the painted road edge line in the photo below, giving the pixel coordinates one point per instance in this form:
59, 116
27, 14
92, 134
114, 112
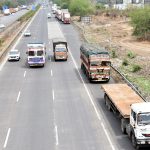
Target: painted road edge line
18, 97
18, 40
6, 140
91, 99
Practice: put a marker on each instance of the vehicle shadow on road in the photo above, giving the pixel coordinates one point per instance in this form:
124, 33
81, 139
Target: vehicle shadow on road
77, 71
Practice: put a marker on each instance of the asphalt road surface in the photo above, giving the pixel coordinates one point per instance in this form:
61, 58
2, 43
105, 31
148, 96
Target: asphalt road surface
8, 20
54, 107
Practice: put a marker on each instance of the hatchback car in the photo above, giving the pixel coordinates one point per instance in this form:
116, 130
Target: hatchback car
49, 15
27, 33
14, 55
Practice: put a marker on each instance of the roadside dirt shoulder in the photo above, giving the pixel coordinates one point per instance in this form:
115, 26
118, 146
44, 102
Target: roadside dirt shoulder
116, 35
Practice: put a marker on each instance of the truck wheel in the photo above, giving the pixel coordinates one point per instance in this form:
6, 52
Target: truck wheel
133, 139
107, 102
105, 97
123, 129
82, 66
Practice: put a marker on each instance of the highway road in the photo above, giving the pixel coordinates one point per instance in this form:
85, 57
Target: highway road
8, 20
54, 107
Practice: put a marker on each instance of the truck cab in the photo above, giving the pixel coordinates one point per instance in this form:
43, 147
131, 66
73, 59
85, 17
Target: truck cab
60, 49
36, 54
139, 129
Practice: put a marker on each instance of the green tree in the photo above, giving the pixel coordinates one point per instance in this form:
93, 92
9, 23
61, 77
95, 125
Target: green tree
81, 7
140, 20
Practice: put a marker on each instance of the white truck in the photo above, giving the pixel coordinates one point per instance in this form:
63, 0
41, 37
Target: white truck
36, 54
6, 12
132, 110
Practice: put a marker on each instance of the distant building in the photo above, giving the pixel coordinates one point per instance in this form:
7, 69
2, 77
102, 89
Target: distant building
123, 4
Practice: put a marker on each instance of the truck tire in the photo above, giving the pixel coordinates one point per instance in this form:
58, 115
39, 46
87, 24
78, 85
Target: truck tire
107, 102
123, 126
134, 143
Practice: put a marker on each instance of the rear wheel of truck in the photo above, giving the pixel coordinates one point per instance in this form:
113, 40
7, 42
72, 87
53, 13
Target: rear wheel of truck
107, 102
123, 126
82, 66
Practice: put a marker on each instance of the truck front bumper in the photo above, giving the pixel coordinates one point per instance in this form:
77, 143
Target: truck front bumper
101, 78
143, 142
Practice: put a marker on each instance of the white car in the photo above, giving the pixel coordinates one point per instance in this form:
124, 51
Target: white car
27, 33
14, 55
2, 26
49, 15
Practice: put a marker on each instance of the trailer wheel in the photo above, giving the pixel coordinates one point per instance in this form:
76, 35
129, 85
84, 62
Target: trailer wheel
105, 96
123, 129
82, 66
107, 102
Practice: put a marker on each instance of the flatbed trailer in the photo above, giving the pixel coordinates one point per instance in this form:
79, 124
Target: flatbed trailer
132, 110
120, 97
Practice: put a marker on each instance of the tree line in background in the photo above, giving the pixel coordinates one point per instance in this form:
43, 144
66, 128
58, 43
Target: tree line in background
140, 17
77, 7
14, 3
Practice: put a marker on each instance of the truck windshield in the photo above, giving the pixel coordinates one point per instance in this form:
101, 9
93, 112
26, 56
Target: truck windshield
143, 118
31, 53
105, 63
60, 49
94, 63
40, 53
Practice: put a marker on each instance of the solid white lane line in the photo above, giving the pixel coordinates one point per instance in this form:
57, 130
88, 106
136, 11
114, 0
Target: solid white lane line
86, 88
92, 101
51, 72
18, 40
108, 137
6, 140
24, 74
18, 96
56, 135
53, 94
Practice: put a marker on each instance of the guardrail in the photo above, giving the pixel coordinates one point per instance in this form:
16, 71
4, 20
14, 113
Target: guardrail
129, 83
116, 70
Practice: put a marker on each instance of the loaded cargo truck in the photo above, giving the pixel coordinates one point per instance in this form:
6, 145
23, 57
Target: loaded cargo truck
95, 62
132, 110
6, 12
63, 11
58, 14
36, 54
66, 17
60, 49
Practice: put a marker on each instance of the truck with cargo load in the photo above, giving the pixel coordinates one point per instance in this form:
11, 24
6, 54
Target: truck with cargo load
36, 54
95, 62
132, 110
6, 12
58, 14
66, 17
60, 49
